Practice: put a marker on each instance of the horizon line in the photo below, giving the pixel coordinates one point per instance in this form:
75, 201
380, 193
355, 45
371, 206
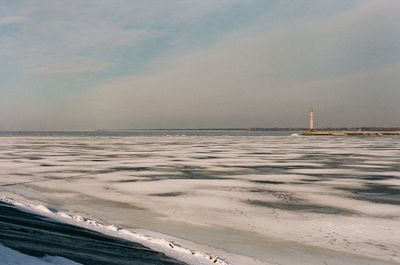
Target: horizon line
212, 129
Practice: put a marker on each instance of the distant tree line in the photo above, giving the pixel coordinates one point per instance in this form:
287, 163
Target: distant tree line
368, 129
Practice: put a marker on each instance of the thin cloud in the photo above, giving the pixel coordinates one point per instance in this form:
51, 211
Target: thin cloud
68, 66
12, 20
59, 30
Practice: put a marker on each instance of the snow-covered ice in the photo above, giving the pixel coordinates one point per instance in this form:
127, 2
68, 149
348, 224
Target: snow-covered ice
246, 200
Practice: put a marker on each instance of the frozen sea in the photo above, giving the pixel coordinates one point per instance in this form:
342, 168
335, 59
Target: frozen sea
247, 197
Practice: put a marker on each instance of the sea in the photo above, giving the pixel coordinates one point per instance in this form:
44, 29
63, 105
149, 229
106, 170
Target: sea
202, 196
148, 132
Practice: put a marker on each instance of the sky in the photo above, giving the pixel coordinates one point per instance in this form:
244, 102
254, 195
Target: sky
126, 64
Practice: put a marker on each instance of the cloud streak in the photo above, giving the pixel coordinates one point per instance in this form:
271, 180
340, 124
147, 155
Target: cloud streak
59, 30
12, 20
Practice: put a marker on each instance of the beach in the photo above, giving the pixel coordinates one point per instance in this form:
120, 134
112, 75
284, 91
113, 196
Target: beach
42, 240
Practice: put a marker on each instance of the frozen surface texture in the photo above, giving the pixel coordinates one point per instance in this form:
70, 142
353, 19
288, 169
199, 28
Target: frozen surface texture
9, 256
277, 200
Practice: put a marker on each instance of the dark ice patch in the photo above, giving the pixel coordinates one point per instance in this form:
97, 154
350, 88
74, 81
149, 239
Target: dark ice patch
168, 194
378, 193
259, 190
206, 157
129, 169
130, 180
299, 206
34, 158
268, 182
312, 180
377, 177
47, 165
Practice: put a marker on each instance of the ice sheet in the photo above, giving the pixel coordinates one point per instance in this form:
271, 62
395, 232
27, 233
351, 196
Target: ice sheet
338, 196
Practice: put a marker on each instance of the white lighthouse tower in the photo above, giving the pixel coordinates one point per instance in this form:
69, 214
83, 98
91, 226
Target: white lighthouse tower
312, 119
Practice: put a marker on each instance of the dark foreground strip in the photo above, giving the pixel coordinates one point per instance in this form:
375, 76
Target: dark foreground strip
38, 236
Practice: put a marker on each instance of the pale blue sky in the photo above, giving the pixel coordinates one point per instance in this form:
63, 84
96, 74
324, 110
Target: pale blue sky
77, 64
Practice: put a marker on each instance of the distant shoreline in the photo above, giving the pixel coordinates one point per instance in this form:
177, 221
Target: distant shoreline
288, 129
351, 133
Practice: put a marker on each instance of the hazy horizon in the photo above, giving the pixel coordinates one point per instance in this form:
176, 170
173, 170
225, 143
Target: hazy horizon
270, 129
91, 65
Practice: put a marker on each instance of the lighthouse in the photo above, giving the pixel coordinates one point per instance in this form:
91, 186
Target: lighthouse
312, 119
